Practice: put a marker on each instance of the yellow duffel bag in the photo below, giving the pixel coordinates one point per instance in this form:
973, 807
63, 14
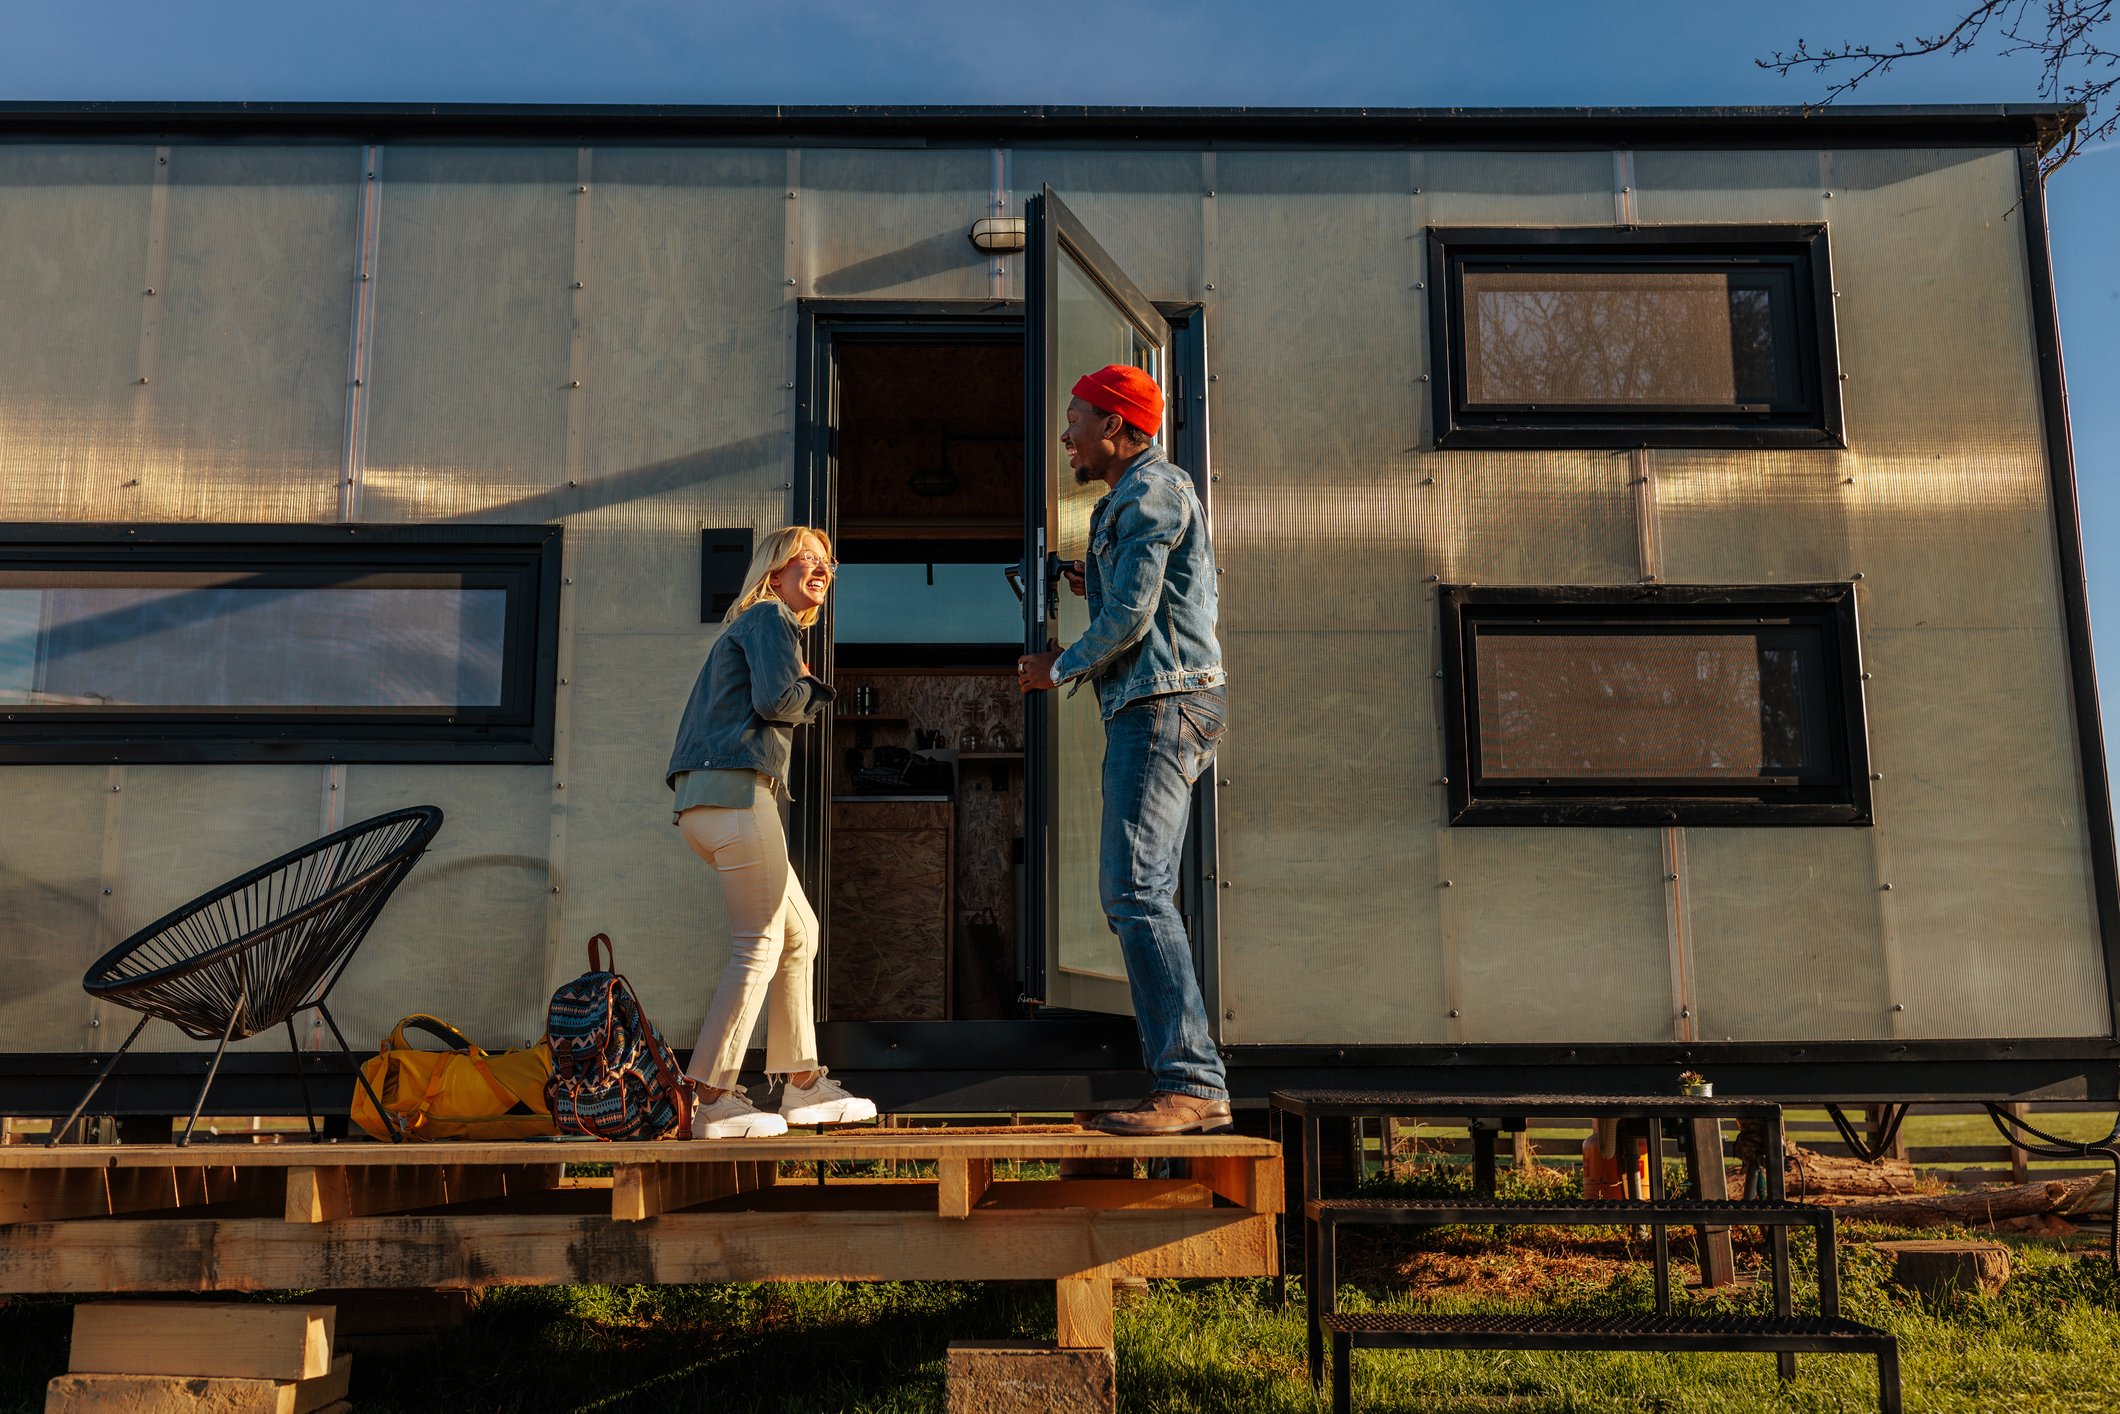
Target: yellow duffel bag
461, 1093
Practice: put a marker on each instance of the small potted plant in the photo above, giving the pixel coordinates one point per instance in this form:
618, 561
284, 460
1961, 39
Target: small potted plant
1693, 1083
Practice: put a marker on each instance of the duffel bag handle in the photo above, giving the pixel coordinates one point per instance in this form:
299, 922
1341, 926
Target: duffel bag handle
434, 1026
607, 965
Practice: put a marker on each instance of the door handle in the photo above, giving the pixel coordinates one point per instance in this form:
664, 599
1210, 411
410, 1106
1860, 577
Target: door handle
1014, 574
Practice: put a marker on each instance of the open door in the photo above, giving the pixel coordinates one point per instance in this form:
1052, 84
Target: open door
1082, 313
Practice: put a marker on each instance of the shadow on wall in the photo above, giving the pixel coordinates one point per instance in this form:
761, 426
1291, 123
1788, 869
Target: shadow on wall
934, 256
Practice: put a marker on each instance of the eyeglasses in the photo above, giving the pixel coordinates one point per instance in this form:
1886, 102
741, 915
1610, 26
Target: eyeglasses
811, 562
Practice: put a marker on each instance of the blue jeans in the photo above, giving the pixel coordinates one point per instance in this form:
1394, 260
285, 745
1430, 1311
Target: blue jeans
1154, 749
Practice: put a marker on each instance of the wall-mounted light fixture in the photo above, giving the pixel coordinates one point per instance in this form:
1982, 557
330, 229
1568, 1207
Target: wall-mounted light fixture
998, 234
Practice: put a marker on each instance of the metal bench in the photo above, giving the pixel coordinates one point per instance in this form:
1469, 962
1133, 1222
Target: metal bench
1783, 1334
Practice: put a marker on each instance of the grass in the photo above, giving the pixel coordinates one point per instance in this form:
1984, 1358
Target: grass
1211, 1347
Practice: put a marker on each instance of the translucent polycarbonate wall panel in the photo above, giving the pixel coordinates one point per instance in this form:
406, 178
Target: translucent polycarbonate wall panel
179, 327
1145, 208
468, 392
52, 838
894, 222
74, 223
1967, 910
1352, 913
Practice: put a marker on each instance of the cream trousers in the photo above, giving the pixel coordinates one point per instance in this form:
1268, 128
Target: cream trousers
772, 943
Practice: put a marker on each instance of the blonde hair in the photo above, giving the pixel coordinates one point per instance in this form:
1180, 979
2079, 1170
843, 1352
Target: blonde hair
772, 556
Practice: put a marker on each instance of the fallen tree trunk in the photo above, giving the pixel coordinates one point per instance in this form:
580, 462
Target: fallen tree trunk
1814, 1175
1983, 1207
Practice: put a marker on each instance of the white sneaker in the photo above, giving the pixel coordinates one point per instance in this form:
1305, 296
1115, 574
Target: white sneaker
733, 1116
823, 1101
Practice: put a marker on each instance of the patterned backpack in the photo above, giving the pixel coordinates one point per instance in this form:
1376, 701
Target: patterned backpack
613, 1076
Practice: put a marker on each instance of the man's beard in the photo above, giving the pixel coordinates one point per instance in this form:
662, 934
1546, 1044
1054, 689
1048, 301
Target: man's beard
1084, 476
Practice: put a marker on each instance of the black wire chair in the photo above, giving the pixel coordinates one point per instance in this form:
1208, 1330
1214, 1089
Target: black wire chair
254, 952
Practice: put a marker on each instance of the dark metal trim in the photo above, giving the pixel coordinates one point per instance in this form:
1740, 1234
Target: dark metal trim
1800, 247
1097, 263
2075, 593
519, 735
1844, 800
2001, 124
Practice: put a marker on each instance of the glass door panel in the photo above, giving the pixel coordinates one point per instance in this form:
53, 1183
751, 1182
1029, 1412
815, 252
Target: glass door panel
1083, 315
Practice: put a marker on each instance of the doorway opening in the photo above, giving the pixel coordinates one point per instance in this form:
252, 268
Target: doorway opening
923, 897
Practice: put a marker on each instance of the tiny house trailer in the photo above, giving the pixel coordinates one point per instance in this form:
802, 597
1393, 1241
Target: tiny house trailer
1650, 577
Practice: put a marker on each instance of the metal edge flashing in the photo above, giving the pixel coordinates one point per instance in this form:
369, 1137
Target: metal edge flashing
2075, 591
2039, 126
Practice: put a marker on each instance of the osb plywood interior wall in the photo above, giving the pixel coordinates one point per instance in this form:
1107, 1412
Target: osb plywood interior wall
963, 706
930, 432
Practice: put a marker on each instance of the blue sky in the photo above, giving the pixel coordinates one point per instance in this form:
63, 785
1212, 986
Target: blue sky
1290, 52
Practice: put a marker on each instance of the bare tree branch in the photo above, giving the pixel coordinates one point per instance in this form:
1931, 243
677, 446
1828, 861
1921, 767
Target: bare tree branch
2065, 36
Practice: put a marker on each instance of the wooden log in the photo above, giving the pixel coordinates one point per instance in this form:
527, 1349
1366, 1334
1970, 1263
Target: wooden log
1934, 1266
959, 1184
451, 1250
209, 1338
1984, 1207
1085, 1312
194, 1394
1256, 1184
1810, 1174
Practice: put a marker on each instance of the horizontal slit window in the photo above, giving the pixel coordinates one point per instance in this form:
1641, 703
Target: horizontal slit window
1649, 336
277, 643
1667, 705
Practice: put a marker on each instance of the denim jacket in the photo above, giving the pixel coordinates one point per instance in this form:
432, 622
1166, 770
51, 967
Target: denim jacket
1150, 580
751, 695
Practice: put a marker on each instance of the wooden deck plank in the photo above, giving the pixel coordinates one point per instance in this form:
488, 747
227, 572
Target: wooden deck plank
839, 1146
447, 1250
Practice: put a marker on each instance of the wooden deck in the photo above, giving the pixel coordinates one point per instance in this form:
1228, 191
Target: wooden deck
248, 1217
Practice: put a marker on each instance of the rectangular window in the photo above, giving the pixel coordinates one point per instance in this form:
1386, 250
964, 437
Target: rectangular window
1639, 336
926, 603
277, 643
1671, 705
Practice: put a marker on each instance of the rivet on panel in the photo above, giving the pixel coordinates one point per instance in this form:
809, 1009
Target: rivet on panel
1445, 884
1442, 780
1685, 1012
356, 382
1214, 377
162, 161
577, 284
1438, 672
1420, 284
1229, 1016
1435, 579
1214, 476
95, 1021
1865, 677
106, 893
574, 383
555, 888
143, 380
559, 785
1856, 575
1424, 378
1453, 1011
579, 190
1847, 481
574, 483
1876, 775
1210, 191
790, 280
787, 385
1225, 883
791, 196
1670, 878
115, 789
1886, 887
1899, 1006
562, 682
150, 289
1210, 284
1828, 196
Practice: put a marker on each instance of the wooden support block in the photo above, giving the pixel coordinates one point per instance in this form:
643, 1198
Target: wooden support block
643, 1191
48, 1194
959, 1183
1085, 1312
1257, 1184
1940, 1264
246, 1340
196, 1394
1711, 1179
324, 1195
1028, 1377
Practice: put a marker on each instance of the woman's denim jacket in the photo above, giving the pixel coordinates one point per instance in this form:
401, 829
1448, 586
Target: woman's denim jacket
751, 695
1150, 580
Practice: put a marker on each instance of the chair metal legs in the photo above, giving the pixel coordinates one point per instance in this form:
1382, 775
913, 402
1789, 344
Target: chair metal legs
309, 1112
59, 1130
345, 1050
211, 1071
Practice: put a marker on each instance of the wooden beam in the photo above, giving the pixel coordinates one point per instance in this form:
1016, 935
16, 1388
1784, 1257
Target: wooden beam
530, 1249
1711, 1179
238, 1340
133, 1394
643, 1191
47, 1194
1111, 1194
1085, 1312
959, 1182
322, 1194
1256, 1184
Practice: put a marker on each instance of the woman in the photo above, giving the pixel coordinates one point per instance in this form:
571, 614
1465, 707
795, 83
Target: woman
729, 771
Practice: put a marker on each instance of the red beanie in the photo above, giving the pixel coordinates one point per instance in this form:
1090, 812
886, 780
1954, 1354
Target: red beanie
1126, 391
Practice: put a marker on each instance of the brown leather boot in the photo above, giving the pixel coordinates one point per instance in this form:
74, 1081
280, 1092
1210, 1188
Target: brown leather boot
1165, 1112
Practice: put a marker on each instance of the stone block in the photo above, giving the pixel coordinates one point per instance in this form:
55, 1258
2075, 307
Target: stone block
1029, 1377
1944, 1264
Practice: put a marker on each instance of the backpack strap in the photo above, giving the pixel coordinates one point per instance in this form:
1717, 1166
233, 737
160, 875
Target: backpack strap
675, 1087
434, 1026
606, 964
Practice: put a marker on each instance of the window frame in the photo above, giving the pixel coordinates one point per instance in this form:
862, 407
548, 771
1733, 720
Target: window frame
1800, 246
521, 731
1639, 801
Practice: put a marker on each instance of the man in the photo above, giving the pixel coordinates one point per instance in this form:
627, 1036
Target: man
1150, 651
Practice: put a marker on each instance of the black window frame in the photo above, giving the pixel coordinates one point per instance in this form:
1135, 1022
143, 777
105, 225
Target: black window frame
1800, 247
1463, 609
525, 558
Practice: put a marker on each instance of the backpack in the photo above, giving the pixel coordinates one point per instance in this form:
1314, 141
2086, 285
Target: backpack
613, 1075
